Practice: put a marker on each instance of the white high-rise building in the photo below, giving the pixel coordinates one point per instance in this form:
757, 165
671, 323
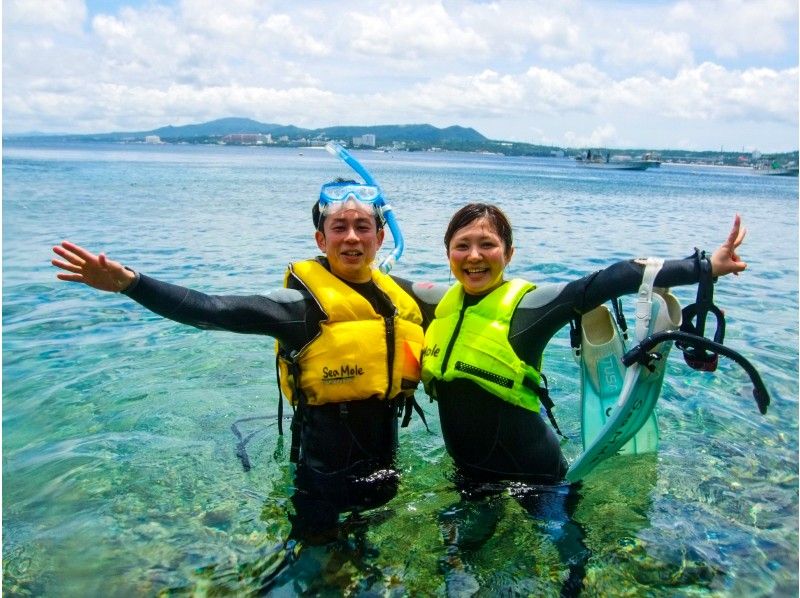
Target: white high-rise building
367, 139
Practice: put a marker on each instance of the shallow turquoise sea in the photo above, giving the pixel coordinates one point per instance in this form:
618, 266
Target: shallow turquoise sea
120, 474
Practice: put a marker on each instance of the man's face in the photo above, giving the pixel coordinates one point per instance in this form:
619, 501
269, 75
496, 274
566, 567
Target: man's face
350, 239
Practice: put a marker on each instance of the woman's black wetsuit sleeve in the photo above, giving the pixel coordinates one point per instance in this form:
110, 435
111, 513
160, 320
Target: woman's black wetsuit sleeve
624, 278
536, 321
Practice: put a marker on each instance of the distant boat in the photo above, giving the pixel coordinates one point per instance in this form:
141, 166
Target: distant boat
653, 159
774, 169
609, 162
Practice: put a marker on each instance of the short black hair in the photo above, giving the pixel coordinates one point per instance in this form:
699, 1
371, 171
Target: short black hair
319, 219
473, 211
316, 216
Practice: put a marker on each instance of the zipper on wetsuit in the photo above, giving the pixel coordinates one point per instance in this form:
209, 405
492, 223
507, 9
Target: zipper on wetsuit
453, 338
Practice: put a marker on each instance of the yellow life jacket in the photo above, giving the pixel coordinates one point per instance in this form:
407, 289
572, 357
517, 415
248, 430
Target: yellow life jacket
472, 343
358, 354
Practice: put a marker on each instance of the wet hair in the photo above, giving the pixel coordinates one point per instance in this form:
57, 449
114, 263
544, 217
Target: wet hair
474, 211
319, 219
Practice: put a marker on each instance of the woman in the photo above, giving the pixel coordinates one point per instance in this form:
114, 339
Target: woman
492, 427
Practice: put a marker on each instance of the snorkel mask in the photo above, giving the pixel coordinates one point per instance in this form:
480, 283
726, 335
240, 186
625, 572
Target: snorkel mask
334, 196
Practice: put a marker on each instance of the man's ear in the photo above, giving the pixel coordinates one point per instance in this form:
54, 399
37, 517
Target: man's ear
509, 253
319, 236
381, 235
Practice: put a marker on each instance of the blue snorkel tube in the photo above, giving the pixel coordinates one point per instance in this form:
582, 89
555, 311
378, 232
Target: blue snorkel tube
380, 203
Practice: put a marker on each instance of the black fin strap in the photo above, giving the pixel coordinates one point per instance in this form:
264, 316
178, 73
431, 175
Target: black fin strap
705, 290
694, 318
619, 315
575, 334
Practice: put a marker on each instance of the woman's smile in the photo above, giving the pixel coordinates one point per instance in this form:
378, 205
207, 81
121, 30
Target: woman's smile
478, 257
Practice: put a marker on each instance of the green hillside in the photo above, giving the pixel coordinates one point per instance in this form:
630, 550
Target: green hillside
414, 137
213, 131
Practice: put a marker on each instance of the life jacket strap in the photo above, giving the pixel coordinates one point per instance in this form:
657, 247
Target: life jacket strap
297, 430
410, 403
280, 394
543, 392
298, 416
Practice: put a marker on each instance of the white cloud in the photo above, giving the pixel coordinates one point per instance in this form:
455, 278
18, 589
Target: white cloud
712, 92
733, 28
511, 69
410, 31
281, 29
648, 49
603, 136
59, 15
519, 30
575, 88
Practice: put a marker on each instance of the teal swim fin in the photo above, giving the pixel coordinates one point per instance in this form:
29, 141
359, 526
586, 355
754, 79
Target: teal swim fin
602, 378
602, 372
666, 315
617, 407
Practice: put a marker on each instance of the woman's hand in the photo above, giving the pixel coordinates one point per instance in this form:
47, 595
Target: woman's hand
97, 271
725, 260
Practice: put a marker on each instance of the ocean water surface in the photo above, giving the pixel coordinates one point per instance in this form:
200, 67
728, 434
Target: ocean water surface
120, 474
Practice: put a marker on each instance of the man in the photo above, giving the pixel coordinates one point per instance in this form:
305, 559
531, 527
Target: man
348, 341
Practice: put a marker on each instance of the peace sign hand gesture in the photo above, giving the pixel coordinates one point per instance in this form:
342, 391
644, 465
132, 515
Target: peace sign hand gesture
725, 260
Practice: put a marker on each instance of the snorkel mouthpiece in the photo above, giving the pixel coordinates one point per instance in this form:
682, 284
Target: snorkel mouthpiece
378, 202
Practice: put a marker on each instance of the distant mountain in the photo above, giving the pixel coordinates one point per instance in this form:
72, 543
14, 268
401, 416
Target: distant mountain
384, 134
416, 137
214, 128
406, 133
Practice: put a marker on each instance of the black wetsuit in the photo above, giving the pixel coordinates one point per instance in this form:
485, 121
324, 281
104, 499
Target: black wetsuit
487, 437
346, 450
490, 439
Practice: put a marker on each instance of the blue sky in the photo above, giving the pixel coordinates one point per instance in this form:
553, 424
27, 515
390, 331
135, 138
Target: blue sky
668, 74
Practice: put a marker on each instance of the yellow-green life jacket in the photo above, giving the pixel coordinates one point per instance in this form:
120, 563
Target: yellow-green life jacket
472, 343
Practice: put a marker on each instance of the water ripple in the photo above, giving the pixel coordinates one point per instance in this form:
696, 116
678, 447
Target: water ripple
116, 424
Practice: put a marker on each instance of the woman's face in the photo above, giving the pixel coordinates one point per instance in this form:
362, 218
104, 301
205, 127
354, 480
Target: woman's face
478, 257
